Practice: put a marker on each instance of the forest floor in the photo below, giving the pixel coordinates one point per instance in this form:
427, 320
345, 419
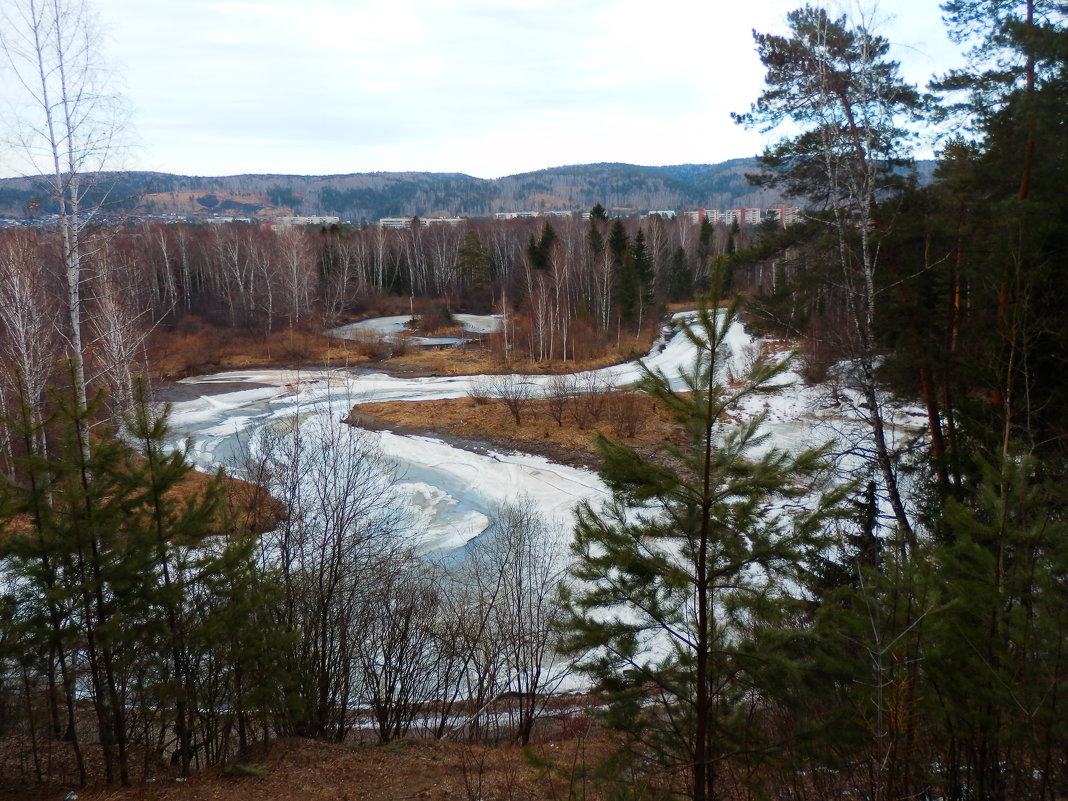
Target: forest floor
310, 770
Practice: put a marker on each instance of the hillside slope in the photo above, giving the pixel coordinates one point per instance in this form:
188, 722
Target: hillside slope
373, 195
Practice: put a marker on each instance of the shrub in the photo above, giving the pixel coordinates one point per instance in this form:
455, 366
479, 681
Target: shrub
623, 409
433, 315
588, 399
514, 391
559, 390
371, 346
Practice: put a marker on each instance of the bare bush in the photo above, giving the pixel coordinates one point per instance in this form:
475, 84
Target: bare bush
433, 315
623, 410
514, 391
293, 344
741, 364
588, 400
401, 344
559, 390
372, 346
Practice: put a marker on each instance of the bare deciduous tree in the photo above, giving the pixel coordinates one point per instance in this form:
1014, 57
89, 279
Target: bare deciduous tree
587, 401
341, 526
396, 646
27, 324
559, 390
115, 324
66, 130
624, 411
834, 80
514, 572
514, 391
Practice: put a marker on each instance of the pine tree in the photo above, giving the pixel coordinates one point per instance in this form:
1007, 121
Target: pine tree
173, 531
618, 242
680, 276
540, 251
122, 566
695, 550
705, 252
834, 80
997, 655
1009, 188
644, 273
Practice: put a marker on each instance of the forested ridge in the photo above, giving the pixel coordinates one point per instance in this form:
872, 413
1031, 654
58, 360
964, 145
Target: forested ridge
370, 196
881, 614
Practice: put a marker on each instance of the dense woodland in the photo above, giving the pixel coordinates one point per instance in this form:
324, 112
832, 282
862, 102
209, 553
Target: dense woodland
880, 618
569, 288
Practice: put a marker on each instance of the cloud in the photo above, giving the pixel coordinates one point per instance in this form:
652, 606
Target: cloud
448, 85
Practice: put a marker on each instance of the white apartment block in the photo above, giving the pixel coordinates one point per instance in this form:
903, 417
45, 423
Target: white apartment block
308, 220
515, 215
405, 222
786, 215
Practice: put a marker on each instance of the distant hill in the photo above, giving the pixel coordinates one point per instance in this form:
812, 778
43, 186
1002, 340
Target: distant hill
369, 196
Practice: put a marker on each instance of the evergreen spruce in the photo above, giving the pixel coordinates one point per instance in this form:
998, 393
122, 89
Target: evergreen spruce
474, 263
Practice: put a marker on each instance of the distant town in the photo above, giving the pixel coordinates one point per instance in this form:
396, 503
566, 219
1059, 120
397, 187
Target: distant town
783, 215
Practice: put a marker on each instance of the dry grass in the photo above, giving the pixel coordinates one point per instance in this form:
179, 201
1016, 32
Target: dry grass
306, 770
472, 358
490, 421
245, 504
199, 349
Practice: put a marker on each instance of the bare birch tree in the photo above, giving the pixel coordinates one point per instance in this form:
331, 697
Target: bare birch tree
117, 322
66, 130
27, 326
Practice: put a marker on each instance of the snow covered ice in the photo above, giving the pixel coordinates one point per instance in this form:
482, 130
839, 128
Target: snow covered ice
451, 492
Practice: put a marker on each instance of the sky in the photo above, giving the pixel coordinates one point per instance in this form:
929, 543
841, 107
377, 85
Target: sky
482, 87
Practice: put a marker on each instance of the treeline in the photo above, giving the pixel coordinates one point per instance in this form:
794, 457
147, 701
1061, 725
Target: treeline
570, 288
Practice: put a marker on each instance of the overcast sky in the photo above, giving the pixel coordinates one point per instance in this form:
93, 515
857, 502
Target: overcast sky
221, 87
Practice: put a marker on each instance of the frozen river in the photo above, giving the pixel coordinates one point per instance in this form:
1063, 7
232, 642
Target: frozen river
389, 328
449, 492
